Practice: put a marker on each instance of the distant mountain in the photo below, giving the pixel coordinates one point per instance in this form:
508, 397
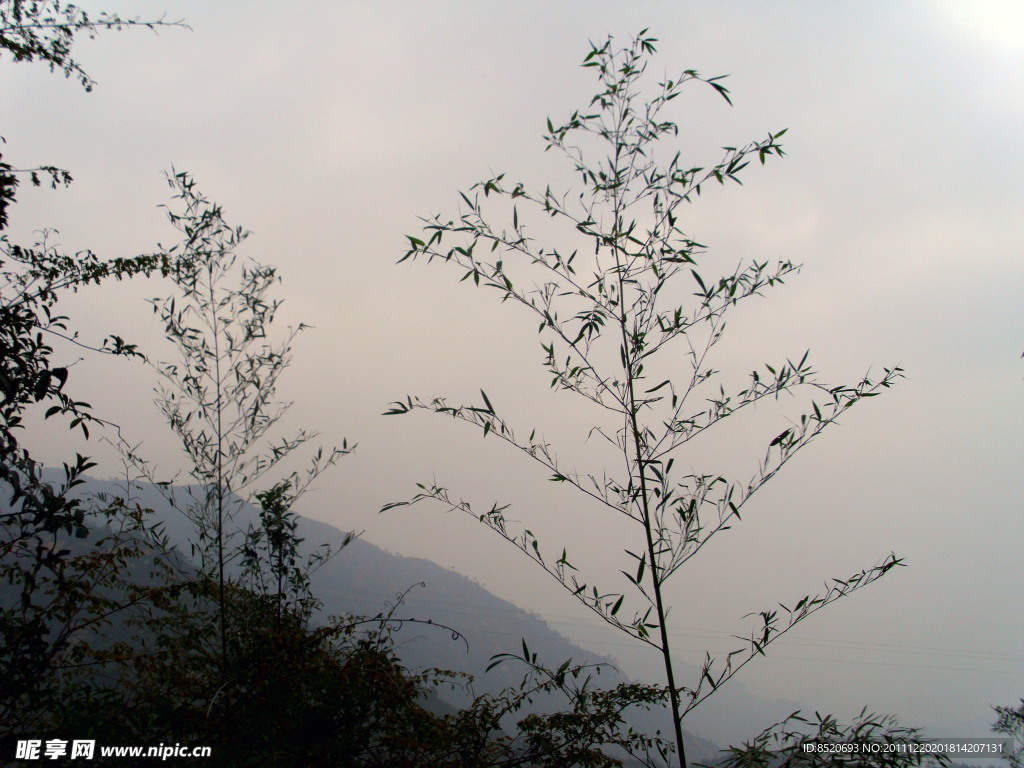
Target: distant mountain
364, 580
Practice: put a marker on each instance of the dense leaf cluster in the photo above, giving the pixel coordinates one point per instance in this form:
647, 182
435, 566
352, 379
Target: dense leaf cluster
36, 517
45, 30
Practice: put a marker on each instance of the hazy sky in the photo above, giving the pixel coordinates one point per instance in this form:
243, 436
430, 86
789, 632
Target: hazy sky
329, 127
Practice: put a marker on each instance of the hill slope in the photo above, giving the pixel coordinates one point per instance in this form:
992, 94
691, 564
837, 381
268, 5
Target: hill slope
364, 580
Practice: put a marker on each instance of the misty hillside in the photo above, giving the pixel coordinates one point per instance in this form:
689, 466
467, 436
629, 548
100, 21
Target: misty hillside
364, 580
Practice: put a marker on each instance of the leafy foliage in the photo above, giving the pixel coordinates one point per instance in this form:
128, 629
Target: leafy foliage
295, 695
1010, 722
57, 593
872, 740
56, 635
219, 399
615, 322
308, 692
44, 30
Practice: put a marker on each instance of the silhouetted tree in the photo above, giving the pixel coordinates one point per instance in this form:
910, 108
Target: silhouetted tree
618, 332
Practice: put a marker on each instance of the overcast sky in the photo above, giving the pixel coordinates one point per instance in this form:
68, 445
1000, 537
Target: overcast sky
328, 128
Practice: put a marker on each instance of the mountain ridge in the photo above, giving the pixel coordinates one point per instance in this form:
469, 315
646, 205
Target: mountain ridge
440, 619
363, 579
